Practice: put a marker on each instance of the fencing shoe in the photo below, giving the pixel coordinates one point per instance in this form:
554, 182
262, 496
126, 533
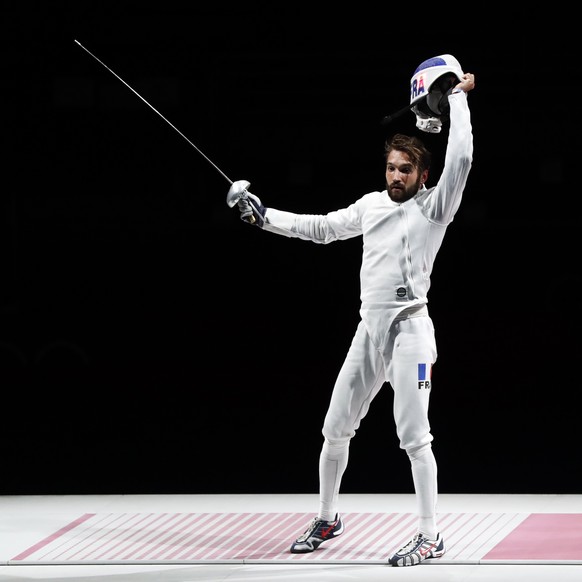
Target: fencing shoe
317, 532
418, 549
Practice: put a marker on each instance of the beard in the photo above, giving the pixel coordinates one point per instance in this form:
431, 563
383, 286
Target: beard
401, 192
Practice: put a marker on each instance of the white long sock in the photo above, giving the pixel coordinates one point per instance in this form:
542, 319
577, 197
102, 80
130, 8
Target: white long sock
424, 475
333, 461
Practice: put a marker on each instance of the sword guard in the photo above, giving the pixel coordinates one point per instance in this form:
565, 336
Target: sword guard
237, 191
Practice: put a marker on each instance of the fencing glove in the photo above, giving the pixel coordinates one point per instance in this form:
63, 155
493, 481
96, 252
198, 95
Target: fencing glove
252, 209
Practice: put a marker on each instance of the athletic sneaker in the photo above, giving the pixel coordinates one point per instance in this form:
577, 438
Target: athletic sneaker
418, 549
317, 532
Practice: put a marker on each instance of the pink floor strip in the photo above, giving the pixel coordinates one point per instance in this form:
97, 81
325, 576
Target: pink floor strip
266, 537
542, 536
53, 537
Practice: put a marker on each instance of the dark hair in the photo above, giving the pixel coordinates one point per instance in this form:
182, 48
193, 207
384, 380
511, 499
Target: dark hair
412, 146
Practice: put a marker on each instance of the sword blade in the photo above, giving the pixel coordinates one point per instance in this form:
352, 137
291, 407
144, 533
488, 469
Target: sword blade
156, 111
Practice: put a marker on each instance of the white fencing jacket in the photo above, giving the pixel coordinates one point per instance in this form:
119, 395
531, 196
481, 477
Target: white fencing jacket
400, 240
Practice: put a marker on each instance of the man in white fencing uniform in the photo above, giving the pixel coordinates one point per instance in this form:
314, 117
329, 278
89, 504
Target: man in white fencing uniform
402, 229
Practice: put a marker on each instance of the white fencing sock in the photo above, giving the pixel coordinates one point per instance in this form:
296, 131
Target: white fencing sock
333, 461
424, 475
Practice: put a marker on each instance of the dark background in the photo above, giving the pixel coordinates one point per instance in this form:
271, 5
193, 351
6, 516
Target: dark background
151, 342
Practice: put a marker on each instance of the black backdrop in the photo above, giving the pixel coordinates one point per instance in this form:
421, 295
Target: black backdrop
150, 342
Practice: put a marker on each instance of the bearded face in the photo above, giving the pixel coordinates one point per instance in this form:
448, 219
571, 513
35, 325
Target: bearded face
403, 180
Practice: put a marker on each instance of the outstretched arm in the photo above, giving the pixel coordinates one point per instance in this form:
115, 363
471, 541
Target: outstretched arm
446, 197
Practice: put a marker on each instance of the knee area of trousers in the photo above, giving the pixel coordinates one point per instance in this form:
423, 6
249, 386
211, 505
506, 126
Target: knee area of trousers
417, 452
336, 436
336, 443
